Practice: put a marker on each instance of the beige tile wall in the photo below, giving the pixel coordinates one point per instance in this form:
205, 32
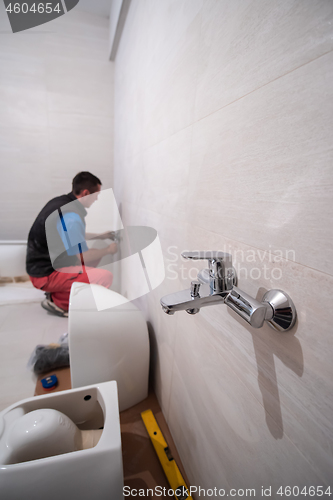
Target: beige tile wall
223, 140
56, 113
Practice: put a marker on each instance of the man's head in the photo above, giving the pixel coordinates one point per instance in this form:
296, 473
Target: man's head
84, 184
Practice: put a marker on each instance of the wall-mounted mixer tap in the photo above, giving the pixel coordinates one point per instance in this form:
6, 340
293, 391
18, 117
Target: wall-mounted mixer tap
217, 285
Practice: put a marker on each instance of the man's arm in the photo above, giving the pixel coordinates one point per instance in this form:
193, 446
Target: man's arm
72, 233
104, 236
95, 254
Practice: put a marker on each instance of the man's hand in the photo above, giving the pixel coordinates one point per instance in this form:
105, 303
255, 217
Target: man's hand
113, 248
109, 235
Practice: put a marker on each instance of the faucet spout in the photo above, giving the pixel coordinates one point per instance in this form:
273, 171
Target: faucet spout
185, 300
167, 310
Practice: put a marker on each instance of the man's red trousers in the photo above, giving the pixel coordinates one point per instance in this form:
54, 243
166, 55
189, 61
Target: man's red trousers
59, 283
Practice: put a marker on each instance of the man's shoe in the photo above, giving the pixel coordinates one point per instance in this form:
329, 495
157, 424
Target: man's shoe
50, 306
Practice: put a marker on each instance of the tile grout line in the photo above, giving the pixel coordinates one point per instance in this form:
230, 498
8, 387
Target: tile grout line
271, 253
238, 99
267, 83
241, 242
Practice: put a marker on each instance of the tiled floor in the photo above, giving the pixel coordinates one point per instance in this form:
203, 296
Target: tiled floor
23, 325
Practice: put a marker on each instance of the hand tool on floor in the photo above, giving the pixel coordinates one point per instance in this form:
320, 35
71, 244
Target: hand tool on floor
167, 461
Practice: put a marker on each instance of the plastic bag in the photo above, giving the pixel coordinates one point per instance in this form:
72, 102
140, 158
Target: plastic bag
49, 357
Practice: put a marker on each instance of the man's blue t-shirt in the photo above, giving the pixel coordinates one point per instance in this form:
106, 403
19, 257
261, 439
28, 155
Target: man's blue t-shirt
72, 232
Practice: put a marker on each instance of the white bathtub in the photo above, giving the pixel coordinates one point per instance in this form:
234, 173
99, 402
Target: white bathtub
12, 258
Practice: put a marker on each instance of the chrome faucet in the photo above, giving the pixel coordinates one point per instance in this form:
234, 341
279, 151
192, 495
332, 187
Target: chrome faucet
217, 285
211, 288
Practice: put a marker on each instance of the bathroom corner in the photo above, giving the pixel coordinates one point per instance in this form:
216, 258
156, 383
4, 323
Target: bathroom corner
223, 117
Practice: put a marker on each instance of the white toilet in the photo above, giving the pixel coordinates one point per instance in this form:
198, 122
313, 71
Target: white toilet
108, 340
64, 445
67, 445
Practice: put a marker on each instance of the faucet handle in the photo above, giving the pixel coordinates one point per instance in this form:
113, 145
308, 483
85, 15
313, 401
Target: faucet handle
221, 275
210, 255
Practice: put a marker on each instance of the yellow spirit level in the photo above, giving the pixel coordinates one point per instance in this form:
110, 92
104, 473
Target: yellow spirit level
167, 461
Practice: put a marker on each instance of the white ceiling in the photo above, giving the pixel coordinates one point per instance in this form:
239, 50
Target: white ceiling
98, 7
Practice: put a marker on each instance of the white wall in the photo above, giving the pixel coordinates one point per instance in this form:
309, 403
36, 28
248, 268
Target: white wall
56, 113
223, 140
